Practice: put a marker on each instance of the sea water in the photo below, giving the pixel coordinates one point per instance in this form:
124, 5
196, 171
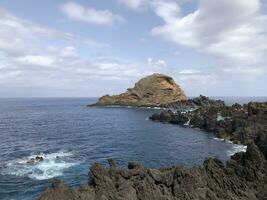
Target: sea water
71, 137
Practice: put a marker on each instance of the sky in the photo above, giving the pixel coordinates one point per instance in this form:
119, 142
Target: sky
89, 48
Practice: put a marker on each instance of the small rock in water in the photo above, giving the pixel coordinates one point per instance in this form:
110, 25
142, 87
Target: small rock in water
36, 159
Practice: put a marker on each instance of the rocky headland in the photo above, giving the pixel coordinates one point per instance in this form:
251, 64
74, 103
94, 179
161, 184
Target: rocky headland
156, 90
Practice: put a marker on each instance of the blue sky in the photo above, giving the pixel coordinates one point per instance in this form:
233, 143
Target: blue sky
96, 47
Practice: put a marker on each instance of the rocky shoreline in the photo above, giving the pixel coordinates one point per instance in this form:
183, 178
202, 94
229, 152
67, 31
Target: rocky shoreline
237, 123
243, 177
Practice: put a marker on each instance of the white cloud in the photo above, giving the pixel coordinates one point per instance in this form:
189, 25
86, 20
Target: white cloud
168, 10
36, 65
16, 35
77, 12
156, 63
133, 4
69, 52
189, 71
35, 60
32, 61
229, 29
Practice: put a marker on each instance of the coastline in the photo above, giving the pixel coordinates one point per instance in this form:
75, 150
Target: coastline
242, 177
138, 182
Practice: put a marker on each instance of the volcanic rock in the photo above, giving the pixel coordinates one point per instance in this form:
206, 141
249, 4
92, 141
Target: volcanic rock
154, 90
237, 123
243, 177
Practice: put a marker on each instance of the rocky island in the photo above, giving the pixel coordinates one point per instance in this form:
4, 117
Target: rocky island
243, 177
156, 90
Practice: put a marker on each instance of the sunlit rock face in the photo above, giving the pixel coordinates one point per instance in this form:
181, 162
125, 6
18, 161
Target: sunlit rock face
154, 90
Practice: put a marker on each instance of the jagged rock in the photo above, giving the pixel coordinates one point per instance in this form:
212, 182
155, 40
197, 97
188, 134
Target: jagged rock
205, 101
238, 124
170, 117
261, 141
59, 191
154, 90
243, 177
35, 159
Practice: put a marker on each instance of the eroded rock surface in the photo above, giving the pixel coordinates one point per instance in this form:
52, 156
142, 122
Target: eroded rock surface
243, 177
154, 90
236, 123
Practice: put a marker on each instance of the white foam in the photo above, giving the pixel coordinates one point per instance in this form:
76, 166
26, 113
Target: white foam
187, 123
236, 148
220, 118
219, 139
53, 165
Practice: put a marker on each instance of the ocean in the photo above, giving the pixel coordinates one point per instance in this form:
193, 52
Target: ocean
71, 137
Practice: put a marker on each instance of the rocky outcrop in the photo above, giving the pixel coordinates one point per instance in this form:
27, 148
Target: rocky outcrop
35, 159
154, 90
236, 123
194, 103
243, 177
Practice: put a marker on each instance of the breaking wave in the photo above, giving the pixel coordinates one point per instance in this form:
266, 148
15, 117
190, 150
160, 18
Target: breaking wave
52, 165
236, 148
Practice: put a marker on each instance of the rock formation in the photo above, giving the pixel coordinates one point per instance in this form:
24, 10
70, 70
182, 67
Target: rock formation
194, 103
243, 177
236, 123
36, 159
154, 90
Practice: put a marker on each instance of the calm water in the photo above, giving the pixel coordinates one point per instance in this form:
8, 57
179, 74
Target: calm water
71, 137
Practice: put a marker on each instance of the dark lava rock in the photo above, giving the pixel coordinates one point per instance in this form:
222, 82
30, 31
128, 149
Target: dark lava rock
243, 177
237, 123
164, 116
35, 160
261, 141
170, 117
59, 191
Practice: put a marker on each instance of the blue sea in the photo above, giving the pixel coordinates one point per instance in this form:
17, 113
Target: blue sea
71, 137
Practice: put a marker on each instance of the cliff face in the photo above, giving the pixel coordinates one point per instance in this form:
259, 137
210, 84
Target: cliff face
241, 178
153, 90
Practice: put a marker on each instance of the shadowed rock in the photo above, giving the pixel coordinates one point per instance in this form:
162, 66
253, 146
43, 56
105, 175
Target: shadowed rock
236, 123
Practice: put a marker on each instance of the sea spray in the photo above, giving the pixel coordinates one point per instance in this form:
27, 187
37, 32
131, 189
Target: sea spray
52, 165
